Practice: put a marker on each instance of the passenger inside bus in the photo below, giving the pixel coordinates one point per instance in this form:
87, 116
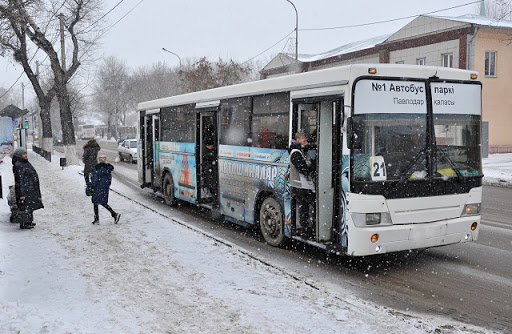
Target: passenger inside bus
302, 174
210, 169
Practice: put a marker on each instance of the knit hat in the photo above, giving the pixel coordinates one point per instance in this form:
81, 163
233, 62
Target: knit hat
102, 158
19, 152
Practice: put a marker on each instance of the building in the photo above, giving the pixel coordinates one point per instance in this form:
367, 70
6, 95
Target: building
468, 42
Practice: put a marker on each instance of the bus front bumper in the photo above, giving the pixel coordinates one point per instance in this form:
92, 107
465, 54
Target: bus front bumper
394, 238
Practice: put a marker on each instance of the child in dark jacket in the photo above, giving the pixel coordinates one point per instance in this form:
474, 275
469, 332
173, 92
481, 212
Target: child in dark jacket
101, 179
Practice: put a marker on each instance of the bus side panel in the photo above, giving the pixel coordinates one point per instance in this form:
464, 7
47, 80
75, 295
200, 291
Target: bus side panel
180, 160
244, 172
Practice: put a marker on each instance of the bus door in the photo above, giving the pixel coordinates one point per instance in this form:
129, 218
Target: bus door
148, 121
319, 119
207, 173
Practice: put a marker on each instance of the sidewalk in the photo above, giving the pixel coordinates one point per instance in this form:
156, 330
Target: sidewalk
498, 170
149, 274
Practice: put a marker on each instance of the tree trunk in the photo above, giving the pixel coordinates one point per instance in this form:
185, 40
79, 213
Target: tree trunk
46, 126
68, 130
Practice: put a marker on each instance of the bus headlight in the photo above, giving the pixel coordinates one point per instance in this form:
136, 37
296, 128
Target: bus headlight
372, 218
471, 209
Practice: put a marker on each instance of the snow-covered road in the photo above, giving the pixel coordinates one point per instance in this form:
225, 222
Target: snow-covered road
151, 274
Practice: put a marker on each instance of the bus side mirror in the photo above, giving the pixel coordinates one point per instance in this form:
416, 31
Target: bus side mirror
353, 141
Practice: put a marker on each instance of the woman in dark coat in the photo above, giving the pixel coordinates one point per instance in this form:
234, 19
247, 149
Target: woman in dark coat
101, 180
90, 158
26, 185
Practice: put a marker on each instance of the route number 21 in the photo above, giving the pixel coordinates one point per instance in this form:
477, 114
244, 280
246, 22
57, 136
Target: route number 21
378, 168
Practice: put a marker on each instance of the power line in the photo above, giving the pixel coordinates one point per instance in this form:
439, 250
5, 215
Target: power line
15, 82
259, 54
390, 20
137, 5
103, 16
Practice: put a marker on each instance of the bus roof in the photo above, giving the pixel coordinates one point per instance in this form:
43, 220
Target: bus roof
334, 76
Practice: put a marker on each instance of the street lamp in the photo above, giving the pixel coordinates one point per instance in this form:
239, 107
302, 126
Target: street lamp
173, 54
296, 31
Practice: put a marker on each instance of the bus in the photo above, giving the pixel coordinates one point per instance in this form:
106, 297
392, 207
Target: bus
397, 150
86, 131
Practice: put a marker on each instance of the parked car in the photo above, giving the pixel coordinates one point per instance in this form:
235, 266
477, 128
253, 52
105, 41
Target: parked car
124, 137
128, 150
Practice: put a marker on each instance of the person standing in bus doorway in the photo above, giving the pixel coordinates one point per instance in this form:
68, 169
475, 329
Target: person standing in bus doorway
210, 170
302, 171
90, 158
27, 190
101, 179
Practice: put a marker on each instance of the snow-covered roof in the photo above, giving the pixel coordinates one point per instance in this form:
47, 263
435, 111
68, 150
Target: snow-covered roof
347, 48
478, 20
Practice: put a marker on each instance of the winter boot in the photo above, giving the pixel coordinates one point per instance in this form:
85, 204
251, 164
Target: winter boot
117, 217
26, 226
96, 220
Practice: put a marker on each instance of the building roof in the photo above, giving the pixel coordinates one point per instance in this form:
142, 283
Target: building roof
478, 20
13, 111
347, 48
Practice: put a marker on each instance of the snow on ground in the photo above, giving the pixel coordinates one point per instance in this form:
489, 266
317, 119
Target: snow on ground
150, 274
498, 170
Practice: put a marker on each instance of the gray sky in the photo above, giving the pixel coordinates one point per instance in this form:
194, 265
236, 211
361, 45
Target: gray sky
241, 29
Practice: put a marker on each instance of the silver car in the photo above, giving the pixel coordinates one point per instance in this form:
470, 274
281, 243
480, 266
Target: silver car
128, 150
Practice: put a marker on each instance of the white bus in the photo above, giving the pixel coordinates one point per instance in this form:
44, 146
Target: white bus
86, 131
397, 152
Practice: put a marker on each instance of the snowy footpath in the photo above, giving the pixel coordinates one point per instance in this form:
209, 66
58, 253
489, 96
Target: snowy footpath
149, 274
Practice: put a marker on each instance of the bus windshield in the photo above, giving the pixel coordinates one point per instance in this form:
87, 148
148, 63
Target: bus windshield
397, 141
391, 123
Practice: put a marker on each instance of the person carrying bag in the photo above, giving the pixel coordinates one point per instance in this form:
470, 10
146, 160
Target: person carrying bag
27, 190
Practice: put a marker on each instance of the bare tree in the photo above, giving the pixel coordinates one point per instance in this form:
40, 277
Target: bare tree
111, 93
498, 9
204, 74
39, 20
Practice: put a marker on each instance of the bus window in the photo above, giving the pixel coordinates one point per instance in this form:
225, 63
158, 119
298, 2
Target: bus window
234, 121
308, 116
270, 120
177, 124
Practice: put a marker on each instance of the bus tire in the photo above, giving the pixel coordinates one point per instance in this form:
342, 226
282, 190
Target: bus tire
121, 157
168, 190
130, 159
271, 222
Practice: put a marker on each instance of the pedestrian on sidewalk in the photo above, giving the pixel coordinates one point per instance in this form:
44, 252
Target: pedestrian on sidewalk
27, 190
101, 179
90, 158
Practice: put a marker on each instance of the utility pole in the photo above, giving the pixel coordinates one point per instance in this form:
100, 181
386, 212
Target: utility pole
296, 31
62, 44
482, 8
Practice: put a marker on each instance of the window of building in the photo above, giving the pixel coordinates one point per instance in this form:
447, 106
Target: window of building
235, 121
270, 120
447, 60
178, 124
421, 61
490, 63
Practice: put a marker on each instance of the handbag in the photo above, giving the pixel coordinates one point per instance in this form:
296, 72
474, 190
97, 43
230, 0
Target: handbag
89, 190
22, 217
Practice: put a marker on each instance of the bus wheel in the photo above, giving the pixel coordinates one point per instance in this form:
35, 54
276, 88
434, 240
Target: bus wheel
121, 157
271, 222
130, 159
168, 190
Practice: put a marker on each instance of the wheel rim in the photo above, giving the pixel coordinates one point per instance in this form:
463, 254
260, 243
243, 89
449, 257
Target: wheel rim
271, 221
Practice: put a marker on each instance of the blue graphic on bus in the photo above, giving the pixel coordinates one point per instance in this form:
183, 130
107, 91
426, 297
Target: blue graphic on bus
246, 172
179, 159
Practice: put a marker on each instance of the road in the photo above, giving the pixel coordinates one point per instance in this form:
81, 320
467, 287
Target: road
471, 283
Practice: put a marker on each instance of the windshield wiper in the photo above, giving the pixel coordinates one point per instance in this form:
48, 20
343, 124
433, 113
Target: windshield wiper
450, 161
404, 174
